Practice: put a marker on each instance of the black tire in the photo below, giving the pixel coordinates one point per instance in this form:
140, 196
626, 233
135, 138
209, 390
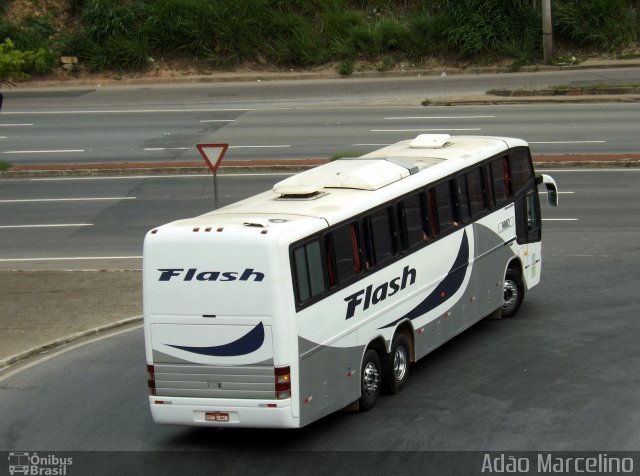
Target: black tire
370, 380
396, 368
513, 293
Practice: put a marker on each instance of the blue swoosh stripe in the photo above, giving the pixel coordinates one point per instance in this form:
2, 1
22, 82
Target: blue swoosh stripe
449, 285
246, 344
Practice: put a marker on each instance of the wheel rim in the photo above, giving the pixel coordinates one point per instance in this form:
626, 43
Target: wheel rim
400, 363
370, 379
510, 294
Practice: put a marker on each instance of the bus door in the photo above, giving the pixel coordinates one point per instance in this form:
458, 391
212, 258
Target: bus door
529, 235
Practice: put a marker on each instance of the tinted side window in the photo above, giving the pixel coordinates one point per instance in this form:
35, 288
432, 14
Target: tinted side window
520, 168
444, 206
476, 194
463, 197
379, 237
343, 260
309, 274
534, 225
499, 179
488, 186
411, 221
528, 224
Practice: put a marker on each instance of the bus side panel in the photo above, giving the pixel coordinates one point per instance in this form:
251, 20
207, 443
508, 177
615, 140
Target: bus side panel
482, 295
494, 254
329, 376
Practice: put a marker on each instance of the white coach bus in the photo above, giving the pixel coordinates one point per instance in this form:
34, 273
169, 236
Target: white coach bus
316, 295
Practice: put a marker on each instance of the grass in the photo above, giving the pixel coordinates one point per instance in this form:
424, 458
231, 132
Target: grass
4, 166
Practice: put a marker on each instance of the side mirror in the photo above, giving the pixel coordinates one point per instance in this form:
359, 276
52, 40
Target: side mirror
552, 189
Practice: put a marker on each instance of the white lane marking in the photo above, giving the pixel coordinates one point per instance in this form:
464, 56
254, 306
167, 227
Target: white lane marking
219, 120
71, 258
425, 130
279, 146
559, 219
545, 193
402, 118
59, 225
58, 151
167, 148
371, 145
121, 111
47, 200
570, 142
15, 125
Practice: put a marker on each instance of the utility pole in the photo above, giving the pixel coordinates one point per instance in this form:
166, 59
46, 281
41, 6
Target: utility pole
547, 31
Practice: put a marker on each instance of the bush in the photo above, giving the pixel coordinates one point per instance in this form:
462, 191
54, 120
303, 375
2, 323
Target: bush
606, 24
384, 36
32, 33
117, 53
346, 67
294, 41
15, 63
427, 34
108, 19
181, 26
244, 29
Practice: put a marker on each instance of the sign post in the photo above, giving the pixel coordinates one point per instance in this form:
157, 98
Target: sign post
209, 152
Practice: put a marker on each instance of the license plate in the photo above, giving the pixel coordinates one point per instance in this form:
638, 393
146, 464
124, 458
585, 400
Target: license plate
216, 416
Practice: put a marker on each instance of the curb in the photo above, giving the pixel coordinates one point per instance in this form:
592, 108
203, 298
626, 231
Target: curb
257, 76
494, 100
13, 359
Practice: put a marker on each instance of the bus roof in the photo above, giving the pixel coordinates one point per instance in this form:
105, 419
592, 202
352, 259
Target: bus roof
336, 191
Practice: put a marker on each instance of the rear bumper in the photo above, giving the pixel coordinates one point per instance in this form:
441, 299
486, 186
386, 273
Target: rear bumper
242, 413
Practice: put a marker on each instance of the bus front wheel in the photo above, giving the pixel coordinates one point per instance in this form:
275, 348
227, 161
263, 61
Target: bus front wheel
370, 380
396, 369
513, 293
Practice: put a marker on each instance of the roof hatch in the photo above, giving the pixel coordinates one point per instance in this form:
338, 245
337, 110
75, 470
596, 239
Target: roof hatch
429, 141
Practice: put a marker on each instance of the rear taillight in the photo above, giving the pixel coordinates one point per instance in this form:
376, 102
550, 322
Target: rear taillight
151, 379
283, 382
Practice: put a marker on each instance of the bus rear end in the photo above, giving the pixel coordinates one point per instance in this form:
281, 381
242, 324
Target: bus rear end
209, 328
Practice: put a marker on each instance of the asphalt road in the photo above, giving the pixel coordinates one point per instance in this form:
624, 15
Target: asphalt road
100, 222
562, 375
60, 222
311, 132
299, 119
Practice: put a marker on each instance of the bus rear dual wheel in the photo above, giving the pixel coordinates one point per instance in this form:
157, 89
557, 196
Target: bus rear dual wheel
389, 375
